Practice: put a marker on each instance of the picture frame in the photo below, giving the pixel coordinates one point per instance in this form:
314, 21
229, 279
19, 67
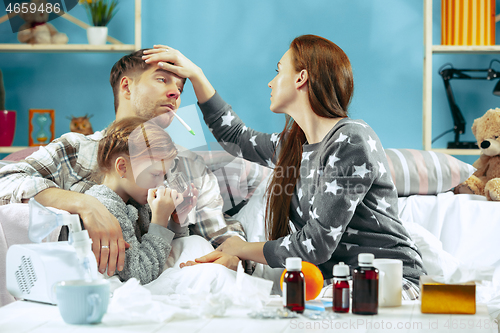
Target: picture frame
41, 127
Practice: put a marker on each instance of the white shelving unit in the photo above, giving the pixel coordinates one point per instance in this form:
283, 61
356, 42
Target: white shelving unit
66, 48
429, 50
115, 46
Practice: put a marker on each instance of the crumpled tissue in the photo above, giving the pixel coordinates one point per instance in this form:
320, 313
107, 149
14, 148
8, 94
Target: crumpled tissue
203, 290
489, 294
460, 273
133, 304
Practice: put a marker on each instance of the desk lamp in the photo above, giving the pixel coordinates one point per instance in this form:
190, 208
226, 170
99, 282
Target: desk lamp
458, 119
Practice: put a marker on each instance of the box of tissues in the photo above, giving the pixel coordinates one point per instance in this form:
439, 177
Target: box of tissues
453, 298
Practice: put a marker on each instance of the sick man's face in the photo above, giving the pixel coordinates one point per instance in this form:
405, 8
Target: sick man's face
157, 92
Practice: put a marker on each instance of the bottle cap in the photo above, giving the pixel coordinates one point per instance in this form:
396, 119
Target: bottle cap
365, 258
293, 264
341, 270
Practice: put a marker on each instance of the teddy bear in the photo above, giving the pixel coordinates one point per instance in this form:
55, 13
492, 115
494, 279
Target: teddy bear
486, 180
36, 30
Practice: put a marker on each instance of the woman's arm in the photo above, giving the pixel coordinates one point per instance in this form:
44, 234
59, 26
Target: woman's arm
231, 252
244, 250
226, 126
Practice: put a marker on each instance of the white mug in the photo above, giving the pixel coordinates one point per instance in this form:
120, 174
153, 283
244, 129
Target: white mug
82, 302
390, 281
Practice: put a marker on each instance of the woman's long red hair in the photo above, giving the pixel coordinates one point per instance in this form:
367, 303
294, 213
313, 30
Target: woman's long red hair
330, 87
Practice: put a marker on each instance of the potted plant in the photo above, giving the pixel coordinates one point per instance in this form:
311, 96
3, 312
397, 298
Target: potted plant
100, 12
7, 119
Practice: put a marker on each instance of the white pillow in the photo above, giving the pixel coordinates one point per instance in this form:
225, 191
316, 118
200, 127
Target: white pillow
252, 214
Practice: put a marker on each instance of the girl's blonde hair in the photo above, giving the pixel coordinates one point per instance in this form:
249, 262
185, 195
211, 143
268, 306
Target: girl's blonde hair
136, 138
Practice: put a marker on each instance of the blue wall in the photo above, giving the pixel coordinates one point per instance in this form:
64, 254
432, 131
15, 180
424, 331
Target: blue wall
238, 43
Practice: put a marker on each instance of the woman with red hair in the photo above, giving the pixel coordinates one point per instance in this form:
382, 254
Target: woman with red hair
331, 196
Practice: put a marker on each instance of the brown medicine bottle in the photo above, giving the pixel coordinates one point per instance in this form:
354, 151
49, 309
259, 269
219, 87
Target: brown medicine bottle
365, 286
341, 290
294, 286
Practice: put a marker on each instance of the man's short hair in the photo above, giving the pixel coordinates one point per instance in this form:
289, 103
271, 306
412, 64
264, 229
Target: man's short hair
130, 65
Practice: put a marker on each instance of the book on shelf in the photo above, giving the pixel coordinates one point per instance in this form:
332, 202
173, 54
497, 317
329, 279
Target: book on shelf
468, 22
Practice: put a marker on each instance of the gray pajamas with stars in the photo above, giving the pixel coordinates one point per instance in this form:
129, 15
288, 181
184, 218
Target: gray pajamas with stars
345, 202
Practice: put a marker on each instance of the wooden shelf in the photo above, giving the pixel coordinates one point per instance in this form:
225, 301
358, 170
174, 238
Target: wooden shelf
114, 46
466, 49
10, 149
66, 48
457, 151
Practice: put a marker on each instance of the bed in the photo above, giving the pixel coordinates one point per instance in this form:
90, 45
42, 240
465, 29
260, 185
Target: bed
450, 230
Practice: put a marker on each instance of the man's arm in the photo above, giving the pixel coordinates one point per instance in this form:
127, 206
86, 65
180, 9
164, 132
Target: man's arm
102, 226
54, 175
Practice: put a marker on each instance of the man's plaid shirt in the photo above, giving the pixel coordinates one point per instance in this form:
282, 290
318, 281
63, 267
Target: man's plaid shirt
69, 162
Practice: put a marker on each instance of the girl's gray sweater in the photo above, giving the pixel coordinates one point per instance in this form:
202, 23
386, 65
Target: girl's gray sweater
149, 243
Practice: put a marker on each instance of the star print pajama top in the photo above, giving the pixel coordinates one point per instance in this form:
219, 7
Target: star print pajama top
345, 202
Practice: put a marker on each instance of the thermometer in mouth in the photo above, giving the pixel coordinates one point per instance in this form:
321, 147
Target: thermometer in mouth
183, 123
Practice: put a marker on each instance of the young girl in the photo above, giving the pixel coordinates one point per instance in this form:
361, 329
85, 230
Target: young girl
331, 196
133, 158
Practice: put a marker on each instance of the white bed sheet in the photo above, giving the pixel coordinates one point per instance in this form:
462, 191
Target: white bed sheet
468, 226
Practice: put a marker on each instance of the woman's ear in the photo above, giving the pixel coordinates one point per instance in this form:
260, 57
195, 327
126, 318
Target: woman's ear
121, 166
301, 79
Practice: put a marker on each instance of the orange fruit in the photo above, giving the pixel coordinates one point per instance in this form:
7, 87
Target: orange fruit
313, 277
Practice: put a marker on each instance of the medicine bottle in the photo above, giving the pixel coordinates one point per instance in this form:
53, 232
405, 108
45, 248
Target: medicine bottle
365, 286
294, 286
341, 290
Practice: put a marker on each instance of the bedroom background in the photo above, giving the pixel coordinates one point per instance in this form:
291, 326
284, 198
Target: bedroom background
238, 44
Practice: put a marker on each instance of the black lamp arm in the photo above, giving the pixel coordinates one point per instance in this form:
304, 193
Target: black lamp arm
453, 73
458, 118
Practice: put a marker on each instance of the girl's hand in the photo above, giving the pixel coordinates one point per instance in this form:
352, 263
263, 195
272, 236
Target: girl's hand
162, 202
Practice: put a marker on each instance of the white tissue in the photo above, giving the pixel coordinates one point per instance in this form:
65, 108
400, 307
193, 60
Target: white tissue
134, 304
461, 273
204, 290
250, 291
489, 294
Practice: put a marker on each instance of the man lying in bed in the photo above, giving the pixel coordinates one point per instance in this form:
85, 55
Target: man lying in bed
58, 174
